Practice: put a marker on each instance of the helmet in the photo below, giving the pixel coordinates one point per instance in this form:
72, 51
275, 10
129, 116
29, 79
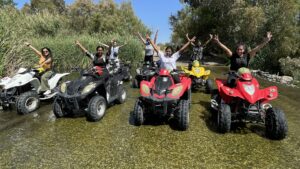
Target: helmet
244, 73
196, 63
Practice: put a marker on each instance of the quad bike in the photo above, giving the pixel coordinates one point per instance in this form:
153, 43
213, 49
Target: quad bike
123, 68
199, 76
146, 72
163, 98
21, 90
125, 71
246, 102
90, 94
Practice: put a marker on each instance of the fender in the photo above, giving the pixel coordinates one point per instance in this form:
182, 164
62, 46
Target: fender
19, 80
55, 79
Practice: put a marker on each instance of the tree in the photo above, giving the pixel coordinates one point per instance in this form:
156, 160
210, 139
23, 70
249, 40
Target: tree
6, 3
49, 5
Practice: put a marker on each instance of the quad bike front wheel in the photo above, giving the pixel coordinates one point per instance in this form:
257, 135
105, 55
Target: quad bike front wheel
276, 125
224, 118
58, 108
138, 113
122, 95
96, 109
182, 115
27, 102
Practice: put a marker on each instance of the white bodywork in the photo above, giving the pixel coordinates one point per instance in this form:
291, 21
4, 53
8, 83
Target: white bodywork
22, 78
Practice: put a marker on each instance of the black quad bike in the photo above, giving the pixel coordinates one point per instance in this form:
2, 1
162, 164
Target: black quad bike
146, 72
123, 69
90, 94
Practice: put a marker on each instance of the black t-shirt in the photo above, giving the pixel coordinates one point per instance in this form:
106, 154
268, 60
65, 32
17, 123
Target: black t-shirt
237, 61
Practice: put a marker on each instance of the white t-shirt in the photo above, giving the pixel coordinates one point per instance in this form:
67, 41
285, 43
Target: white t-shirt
168, 63
114, 52
149, 50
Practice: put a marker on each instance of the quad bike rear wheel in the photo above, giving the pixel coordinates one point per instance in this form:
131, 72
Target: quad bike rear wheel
138, 113
276, 125
135, 83
27, 102
122, 95
182, 115
224, 118
208, 86
6, 107
96, 108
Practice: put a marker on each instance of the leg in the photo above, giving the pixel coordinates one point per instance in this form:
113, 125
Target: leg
176, 78
44, 81
231, 80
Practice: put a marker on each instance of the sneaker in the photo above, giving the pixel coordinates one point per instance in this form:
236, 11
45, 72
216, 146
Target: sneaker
47, 92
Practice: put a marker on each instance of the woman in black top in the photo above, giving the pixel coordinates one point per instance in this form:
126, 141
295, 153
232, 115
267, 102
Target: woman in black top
99, 58
240, 58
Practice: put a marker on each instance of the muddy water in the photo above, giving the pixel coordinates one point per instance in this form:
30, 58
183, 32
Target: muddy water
39, 140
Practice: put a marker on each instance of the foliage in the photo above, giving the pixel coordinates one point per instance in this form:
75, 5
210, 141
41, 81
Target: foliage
243, 21
291, 67
52, 24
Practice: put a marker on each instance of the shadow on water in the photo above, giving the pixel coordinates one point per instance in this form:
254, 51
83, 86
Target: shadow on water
210, 117
154, 120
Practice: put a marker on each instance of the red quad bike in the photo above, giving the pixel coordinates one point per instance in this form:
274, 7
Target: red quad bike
247, 102
163, 98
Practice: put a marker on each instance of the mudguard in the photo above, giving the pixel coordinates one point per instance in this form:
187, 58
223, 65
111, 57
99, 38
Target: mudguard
55, 79
247, 91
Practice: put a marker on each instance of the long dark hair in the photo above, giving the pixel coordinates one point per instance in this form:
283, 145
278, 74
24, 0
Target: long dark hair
50, 52
97, 50
170, 47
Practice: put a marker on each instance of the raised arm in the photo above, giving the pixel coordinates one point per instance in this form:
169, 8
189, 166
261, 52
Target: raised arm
103, 44
141, 38
123, 45
155, 37
187, 37
257, 48
187, 44
152, 43
81, 47
37, 52
210, 38
225, 48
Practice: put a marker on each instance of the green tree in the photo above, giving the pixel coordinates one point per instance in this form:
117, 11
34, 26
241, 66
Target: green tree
7, 3
49, 5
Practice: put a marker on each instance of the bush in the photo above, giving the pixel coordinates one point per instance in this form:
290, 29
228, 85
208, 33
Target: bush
290, 67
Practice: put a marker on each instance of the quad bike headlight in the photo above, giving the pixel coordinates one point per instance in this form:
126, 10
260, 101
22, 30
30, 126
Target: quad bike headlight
88, 88
176, 91
145, 89
63, 87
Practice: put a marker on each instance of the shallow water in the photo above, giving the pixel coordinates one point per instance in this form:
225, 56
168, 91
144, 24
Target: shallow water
39, 140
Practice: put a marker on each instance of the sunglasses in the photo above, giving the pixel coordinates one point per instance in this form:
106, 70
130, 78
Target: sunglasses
45, 51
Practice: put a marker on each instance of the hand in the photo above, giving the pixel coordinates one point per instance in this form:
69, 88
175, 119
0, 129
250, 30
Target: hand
210, 36
147, 37
193, 39
269, 36
27, 44
216, 38
77, 42
187, 37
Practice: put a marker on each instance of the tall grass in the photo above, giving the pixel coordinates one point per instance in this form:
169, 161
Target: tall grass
49, 30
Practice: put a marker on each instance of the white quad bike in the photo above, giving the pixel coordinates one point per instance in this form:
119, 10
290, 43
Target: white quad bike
21, 90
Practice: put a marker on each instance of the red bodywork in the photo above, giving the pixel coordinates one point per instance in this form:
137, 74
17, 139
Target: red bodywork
247, 88
146, 87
